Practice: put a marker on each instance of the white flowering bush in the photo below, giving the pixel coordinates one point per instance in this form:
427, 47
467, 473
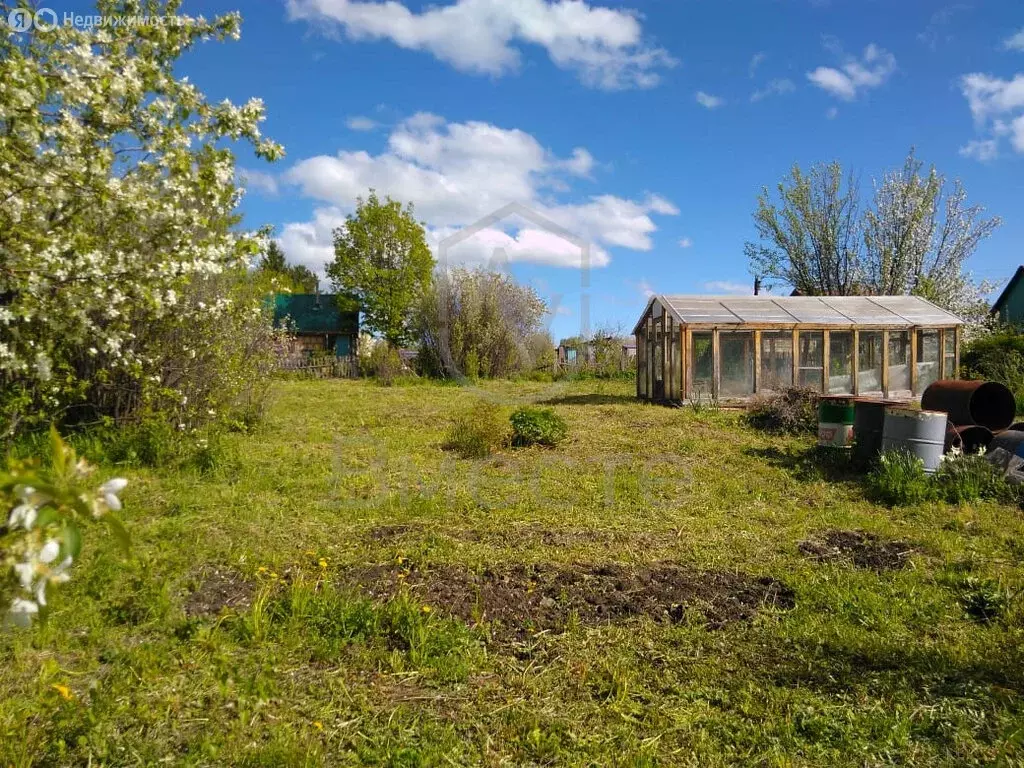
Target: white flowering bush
42, 534
122, 272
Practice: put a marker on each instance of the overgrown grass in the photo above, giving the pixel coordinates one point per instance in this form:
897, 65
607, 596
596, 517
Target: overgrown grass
235, 635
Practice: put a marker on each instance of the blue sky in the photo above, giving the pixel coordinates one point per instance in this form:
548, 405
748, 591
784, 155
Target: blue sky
646, 128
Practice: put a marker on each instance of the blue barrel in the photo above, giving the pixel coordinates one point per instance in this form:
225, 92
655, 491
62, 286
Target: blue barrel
920, 433
1011, 440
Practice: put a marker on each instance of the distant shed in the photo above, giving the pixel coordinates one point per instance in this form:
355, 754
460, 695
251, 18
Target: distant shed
318, 322
732, 347
1009, 307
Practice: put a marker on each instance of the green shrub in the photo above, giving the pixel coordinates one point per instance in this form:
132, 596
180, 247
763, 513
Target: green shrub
997, 356
152, 442
537, 426
791, 411
970, 478
899, 478
383, 363
478, 432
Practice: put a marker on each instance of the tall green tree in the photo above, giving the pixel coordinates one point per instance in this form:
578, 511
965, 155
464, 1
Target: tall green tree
810, 236
295, 277
381, 261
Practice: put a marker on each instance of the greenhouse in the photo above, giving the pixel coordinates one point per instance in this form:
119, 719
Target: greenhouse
729, 348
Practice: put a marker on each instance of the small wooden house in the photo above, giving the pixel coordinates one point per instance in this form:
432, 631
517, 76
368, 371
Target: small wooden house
732, 347
318, 322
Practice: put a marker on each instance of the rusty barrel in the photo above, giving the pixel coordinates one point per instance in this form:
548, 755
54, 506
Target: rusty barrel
985, 403
868, 421
919, 433
969, 439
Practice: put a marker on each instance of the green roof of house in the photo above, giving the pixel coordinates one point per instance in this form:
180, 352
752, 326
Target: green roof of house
315, 313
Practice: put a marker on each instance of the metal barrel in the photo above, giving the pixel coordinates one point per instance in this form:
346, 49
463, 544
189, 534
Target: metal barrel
1011, 440
868, 421
985, 403
921, 433
969, 439
835, 422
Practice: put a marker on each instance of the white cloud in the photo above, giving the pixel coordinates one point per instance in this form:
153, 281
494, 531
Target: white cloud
725, 286
990, 96
457, 173
938, 27
981, 149
709, 101
604, 46
1015, 42
494, 247
311, 243
997, 106
360, 123
776, 87
258, 181
756, 61
856, 76
685, 242
1017, 137
644, 287
580, 164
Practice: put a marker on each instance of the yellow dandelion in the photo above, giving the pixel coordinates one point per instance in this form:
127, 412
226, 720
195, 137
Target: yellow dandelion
427, 609
323, 563
63, 690
318, 725
274, 575
262, 569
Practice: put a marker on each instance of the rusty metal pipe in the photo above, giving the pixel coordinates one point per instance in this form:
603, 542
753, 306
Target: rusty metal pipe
969, 439
983, 403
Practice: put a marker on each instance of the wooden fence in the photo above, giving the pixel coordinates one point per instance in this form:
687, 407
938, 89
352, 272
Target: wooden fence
329, 368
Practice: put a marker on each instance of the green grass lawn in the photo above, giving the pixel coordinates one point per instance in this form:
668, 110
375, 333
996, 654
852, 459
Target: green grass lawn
340, 590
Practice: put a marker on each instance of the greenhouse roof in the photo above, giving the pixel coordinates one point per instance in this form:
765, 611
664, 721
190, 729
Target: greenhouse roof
895, 311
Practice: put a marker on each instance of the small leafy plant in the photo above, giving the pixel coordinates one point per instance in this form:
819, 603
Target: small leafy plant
537, 426
970, 477
478, 432
899, 478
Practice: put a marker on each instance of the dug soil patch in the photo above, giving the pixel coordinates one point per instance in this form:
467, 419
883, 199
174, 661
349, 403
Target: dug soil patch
524, 599
864, 550
218, 589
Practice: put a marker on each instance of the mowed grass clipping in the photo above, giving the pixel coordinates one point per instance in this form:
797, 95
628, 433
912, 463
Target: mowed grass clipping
664, 587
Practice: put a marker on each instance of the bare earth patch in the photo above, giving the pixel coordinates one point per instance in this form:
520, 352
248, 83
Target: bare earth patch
218, 589
864, 550
545, 597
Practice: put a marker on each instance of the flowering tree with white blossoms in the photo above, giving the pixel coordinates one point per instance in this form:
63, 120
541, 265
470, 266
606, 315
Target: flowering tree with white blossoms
119, 253
42, 535
918, 236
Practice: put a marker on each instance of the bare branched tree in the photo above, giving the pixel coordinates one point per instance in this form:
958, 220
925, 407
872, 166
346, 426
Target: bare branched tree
811, 237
